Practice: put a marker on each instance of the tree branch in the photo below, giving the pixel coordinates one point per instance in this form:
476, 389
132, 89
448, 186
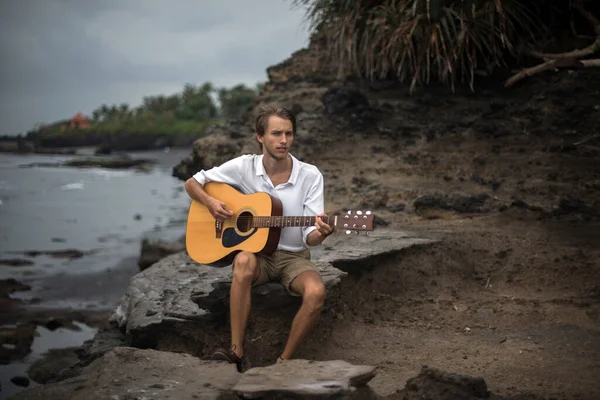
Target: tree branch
550, 60
524, 73
579, 53
591, 63
548, 65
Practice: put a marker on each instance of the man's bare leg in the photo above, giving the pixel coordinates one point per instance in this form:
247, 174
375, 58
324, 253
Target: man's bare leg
245, 271
310, 286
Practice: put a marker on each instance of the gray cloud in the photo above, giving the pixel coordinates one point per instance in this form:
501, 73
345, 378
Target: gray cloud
60, 57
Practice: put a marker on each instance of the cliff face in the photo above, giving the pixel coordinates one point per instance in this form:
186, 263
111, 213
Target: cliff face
380, 147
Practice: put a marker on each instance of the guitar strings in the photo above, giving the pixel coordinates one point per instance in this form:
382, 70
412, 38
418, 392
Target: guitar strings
244, 218
271, 218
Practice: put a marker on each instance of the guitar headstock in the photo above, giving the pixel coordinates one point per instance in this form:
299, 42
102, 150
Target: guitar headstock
355, 222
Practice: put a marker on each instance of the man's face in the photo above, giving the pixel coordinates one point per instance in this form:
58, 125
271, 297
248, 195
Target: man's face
278, 138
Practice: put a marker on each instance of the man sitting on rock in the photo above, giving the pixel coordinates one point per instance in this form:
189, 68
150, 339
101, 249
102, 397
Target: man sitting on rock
299, 186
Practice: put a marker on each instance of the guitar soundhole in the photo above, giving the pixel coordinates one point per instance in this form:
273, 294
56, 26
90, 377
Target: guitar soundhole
244, 222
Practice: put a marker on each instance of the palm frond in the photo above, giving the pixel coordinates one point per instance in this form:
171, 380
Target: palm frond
422, 40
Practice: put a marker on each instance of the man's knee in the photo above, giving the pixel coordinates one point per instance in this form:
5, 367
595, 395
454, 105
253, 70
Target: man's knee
245, 266
314, 296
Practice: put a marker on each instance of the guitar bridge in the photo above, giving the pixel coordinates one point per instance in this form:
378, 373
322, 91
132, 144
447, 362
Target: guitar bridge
218, 229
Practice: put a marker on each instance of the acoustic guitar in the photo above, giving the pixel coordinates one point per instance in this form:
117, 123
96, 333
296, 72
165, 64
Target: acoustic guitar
255, 225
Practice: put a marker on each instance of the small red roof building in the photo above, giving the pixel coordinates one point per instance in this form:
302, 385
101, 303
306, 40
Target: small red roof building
77, 121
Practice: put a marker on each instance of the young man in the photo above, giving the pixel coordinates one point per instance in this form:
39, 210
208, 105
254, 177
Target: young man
299, 186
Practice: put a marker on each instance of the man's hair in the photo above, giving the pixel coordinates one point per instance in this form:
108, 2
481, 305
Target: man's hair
265, 112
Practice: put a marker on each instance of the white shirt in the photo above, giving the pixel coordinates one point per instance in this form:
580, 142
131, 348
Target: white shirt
301, 195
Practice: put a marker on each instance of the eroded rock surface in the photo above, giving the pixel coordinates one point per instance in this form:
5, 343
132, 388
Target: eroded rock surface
304, 378
129, 373
179, 291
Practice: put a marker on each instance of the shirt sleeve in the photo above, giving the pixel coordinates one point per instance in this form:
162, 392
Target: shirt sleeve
229, 172
313, 205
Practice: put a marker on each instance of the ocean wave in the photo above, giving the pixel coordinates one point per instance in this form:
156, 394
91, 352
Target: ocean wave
73, 186
107, 174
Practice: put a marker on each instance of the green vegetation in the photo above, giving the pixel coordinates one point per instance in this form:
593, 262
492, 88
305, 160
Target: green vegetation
446, 41
160, 120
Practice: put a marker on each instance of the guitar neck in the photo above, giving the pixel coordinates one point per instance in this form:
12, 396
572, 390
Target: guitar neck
281, 221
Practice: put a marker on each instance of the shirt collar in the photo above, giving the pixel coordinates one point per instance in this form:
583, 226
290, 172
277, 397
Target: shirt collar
260, 169
258, 165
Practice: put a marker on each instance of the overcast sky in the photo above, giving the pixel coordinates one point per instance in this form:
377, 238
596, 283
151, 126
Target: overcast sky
60, 57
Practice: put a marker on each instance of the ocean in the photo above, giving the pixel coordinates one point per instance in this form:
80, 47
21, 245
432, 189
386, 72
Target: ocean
101, 213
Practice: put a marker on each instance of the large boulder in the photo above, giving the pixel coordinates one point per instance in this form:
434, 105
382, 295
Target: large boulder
178, 304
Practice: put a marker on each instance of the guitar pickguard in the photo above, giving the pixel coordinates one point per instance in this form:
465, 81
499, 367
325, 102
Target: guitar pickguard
232, 239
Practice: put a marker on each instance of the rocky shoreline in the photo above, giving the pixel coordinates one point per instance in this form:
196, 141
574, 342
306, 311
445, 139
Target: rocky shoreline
480, 280
179, 308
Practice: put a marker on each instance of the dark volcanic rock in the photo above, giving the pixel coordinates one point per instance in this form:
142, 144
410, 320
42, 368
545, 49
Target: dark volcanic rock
67, 253
52, 364
344, 100
15, 262
121, 162
220, 143
432, 383
15, 342
103, 342
10, 285
110, 163
22, 381
154, 250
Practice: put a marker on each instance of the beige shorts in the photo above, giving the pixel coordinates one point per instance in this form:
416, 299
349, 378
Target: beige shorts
283, 266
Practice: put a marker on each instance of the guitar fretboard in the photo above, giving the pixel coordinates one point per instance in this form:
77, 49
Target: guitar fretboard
280, 222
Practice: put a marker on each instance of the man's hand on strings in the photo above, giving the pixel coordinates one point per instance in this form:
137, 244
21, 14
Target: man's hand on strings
219, 210
323, 228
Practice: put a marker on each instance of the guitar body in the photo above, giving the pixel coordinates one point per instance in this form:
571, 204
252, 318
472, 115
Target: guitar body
208, 241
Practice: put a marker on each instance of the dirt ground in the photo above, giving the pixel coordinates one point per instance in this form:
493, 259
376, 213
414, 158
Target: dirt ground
509, 293
504, 297
508, 181
510, 301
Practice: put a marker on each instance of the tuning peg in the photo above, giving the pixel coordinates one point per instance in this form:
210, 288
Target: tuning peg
349, 212
348, 232
359, 212
357, 233
368, 213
